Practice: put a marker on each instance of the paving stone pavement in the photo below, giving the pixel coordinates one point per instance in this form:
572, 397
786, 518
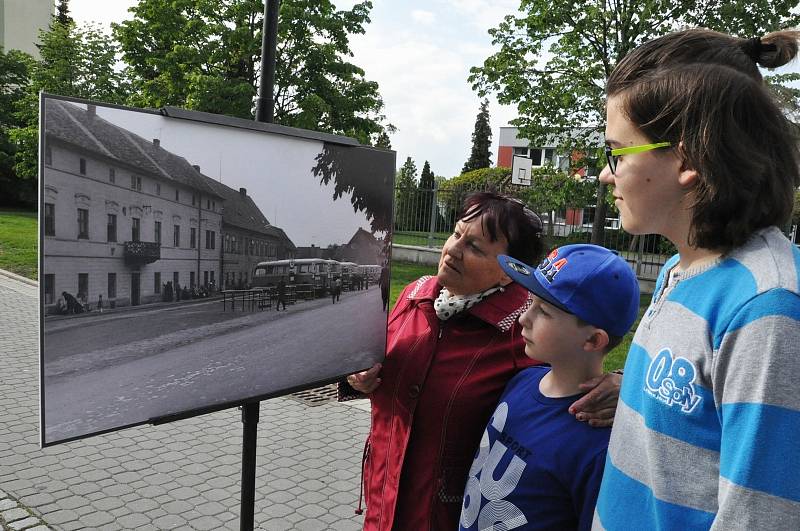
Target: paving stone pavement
182, 475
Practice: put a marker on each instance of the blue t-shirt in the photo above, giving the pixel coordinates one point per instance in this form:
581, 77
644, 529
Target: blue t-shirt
536, 467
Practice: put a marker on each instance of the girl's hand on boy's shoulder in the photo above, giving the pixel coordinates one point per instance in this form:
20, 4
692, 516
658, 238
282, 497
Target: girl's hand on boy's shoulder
599, 404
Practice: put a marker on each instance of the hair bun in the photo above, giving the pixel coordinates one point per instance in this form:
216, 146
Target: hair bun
774, 49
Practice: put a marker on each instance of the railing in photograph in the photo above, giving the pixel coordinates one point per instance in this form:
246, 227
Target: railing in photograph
139, 253
246, 299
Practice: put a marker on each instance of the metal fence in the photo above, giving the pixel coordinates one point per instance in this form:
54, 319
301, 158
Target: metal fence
426, 217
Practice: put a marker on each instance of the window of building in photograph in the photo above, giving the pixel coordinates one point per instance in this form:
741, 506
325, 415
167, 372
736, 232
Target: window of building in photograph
157, 232
193, 199
158, 188
83, 223
48, 156
112, 175
227, 247
176, 236
83, 286
49, 219
111, 231
112, 285
135, 226
211, 237
208, 204
175, 278
234, 250
136, 183
49, 288
212, 277
205, 278
191, 279
83, 166
214, 206
157, 282
193, 237
177, 195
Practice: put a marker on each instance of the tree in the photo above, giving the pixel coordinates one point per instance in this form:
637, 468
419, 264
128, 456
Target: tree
14, 70
62, 12
480, 156
426, 197
205, 55
554, 59
75, 61
405, 190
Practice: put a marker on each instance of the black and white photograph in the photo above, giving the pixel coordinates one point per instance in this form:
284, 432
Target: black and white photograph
192, 262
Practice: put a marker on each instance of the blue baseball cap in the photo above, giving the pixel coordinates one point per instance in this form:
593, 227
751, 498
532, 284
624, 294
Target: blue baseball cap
589, 281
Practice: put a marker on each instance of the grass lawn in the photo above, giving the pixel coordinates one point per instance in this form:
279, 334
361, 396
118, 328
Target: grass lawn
404, 272
419, 238
18, 240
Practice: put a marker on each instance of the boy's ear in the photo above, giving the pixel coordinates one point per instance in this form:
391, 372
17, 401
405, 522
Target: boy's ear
596, 341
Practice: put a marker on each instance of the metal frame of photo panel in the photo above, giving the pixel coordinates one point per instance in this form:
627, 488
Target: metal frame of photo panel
355, 178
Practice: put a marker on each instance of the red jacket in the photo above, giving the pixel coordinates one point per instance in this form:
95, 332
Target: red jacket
440, 384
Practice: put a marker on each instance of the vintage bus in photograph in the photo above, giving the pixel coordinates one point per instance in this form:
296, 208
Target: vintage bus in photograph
310, 276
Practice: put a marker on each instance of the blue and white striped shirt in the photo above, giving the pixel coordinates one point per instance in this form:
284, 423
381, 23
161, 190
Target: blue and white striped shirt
707, 427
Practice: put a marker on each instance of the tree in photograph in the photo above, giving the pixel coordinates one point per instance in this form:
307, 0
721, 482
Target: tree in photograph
480, 155
205, 55
405, 189
554, 58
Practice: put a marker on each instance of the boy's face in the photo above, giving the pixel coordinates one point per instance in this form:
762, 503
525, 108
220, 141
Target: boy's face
550, 333
647, 190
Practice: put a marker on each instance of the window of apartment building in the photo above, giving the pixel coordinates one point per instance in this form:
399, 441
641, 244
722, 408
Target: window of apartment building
191, 279
82, 162
112, 285
48, 156
192, 237
135, 226
111, 229
175, 278
157, 233
521, 151
158, 188
156, 282
176, 236
49, 219
83, 285
83, 223
112, 175
49, 288
136, 183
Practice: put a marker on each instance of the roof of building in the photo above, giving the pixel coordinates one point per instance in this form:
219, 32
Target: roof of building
83, 128
239, 210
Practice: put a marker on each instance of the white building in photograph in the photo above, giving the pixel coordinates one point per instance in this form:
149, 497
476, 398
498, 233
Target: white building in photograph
122, 216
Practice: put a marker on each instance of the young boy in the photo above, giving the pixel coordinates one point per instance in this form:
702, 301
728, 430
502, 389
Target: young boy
538, 467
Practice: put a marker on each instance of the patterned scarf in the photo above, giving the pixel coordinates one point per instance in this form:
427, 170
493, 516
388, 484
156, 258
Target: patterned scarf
447, 305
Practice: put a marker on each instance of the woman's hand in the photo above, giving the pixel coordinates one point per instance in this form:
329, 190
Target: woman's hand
366, 381
600, 402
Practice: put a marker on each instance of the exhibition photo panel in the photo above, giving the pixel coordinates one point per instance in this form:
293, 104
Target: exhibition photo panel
191, 262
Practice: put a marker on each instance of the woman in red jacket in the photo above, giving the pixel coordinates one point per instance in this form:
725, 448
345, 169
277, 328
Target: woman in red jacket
453, 344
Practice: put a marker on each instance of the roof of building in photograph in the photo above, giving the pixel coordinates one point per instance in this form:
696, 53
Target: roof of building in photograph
83, 128
239, 210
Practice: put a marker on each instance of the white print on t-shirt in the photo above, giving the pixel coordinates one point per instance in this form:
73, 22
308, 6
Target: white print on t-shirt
498, 513
671, 380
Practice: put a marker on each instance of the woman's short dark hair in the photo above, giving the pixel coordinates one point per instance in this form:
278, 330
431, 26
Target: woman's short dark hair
702, 91
509, 217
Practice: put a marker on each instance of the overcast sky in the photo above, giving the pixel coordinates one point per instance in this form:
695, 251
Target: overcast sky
420, 53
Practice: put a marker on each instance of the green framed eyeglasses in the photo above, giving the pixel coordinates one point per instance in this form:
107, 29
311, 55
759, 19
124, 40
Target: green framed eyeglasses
612, 155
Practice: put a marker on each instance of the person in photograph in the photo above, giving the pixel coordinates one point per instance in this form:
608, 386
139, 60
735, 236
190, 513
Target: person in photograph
698, 151
73, 305
281, 295
549, 465
337, 290
453, 344
383, 281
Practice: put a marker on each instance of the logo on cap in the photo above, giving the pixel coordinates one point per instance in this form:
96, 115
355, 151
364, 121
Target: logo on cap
550, 266
522, 270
